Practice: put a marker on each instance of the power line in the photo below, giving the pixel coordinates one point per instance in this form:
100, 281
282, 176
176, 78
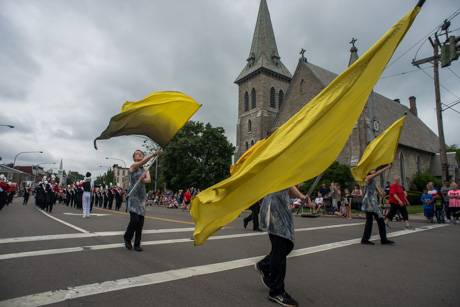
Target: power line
404, 73
423, 39
445, 88
453, 72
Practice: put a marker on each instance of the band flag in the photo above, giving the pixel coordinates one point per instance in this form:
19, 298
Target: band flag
306, 145
158, 116
380, 151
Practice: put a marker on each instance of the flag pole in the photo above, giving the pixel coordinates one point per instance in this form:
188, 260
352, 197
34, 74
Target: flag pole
310, 190
140, 178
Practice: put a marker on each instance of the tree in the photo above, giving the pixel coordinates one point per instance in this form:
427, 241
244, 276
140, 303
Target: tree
105, 179
337, 172
455, 149
198, 156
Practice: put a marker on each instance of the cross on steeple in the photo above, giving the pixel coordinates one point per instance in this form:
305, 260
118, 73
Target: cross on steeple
353, 41
353, 51
302, 53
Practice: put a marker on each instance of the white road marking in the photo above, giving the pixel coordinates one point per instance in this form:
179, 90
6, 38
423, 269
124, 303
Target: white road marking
51, 297
64, 222
89, 235
92, 214
156, 242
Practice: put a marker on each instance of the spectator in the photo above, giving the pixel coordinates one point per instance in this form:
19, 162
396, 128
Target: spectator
319, 203
454, 202
398, 202
427, 201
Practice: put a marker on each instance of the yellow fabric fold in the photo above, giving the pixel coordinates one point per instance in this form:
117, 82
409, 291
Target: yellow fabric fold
158, 116
380, 151
306, 145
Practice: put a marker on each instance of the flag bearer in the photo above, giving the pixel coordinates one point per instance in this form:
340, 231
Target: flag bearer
136, 202
276, 217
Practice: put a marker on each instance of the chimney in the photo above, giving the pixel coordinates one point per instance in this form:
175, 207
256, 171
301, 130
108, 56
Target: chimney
397, 100
413, 105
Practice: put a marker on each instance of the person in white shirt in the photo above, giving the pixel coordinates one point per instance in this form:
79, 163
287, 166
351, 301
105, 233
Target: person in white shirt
319, 202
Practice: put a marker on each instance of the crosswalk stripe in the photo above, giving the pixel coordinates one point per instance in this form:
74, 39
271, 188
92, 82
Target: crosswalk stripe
57, 296
156, 242
89, 235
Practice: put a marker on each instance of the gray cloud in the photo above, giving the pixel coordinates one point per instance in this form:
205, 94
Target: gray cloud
67, 66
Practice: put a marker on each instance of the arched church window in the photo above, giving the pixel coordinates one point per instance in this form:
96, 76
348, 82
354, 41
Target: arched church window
280, 98
272, 98
253, 98
246, 102
249, 125
419, 164
402, 169
247, 145
252, 142
302, 86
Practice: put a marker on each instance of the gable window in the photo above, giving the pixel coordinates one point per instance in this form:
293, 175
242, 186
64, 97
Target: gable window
253, 98
280, 98
272, 98
302, 86
246, 102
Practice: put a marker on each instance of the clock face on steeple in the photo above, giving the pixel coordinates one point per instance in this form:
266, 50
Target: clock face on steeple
376, 125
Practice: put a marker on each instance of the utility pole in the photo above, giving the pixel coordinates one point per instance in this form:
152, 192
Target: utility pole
449, 53
437, 93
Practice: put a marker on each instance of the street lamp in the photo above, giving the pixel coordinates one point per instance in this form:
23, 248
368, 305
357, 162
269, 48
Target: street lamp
9, 126
118, 159
24, 152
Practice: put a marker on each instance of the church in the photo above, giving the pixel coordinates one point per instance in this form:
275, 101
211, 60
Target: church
269, 95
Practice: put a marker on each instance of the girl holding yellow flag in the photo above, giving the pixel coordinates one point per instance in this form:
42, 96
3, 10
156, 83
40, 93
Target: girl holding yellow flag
372, 209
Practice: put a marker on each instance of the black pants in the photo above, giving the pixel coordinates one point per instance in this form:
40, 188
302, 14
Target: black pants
394, 208
136, 222
454, 212
274, 264
368, 227
254, 216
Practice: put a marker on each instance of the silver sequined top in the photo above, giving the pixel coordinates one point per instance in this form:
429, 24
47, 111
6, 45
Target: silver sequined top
275, 216
136, 200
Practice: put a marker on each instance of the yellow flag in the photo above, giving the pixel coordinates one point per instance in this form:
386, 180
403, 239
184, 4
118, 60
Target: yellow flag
306, 145
380, 151
235, 167
158, 116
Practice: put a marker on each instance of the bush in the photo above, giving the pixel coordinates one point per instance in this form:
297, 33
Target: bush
335, 173
420, 181
414, 197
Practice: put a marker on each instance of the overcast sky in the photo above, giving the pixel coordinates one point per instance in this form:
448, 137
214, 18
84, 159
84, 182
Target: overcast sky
66, 67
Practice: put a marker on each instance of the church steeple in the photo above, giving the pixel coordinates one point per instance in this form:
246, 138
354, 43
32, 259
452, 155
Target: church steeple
264, 52
353, 52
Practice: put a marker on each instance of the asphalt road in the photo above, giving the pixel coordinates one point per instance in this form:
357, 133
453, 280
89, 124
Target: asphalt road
73, 261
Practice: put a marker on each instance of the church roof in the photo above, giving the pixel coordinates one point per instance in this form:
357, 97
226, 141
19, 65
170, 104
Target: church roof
264, 52
415, 133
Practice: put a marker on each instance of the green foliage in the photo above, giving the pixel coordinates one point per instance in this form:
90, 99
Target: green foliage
73, 177
414, 197
335, 173
455, 149
198, 156
105, 179
420, 181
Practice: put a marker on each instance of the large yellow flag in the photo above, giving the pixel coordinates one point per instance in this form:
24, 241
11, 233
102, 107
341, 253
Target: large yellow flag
306, 145
158, 116
380, 151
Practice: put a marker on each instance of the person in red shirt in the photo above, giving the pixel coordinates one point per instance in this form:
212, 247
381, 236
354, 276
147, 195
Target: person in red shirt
398, 202
187, 198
